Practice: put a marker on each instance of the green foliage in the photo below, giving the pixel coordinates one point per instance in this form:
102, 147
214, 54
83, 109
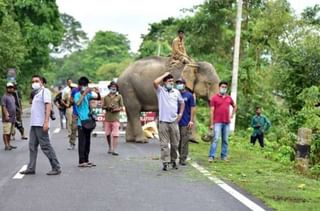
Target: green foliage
112, 70
105, 57
12, 46
74, 37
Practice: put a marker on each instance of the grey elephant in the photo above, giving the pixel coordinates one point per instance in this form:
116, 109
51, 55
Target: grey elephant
136, 87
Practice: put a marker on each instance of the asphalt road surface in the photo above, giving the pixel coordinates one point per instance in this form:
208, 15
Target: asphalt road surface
132, 181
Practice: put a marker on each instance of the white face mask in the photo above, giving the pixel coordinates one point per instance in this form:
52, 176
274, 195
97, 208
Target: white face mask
36, 86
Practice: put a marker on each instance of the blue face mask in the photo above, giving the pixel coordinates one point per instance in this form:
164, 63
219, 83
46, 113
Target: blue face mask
169, 86
180, 86
223, 91
83, 88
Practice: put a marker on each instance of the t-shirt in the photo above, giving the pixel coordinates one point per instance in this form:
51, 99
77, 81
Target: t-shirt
115, 102
42, 97
189, 103
84, 108
221, 106
9, 103
168, 104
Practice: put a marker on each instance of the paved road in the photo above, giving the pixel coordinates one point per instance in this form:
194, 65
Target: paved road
132, 181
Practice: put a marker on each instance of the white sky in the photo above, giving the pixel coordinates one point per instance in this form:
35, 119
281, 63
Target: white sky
132, 17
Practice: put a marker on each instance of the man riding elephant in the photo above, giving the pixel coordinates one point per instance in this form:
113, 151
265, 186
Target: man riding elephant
179, 53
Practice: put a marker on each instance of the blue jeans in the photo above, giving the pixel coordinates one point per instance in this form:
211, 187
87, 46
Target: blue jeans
223, 129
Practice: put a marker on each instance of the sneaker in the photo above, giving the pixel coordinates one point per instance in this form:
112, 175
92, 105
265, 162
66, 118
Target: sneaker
26, 172
165, 167
115, 153
210, 159
225, 159
13, 147
54, 172
24, 138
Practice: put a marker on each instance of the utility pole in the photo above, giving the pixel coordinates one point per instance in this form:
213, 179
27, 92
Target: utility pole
159, 48
159, 41
236, 54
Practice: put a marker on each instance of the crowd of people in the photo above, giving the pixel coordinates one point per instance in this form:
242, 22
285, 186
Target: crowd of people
176, 117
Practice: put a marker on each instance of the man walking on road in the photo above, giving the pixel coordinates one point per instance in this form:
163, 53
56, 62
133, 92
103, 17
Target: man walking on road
170, 102
82, 100
220, 120
40, 114
113, 104
186, 122
8, 115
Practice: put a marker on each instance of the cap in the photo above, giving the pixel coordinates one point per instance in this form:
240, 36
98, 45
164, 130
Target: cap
10, 84
181, 80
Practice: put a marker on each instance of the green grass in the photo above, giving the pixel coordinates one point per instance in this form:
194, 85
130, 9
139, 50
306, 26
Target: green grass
276, 184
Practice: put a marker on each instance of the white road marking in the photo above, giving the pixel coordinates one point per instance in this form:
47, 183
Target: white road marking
244, 200
57, 130
18, 175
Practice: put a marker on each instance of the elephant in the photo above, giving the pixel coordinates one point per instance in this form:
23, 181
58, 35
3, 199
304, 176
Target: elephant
136, 87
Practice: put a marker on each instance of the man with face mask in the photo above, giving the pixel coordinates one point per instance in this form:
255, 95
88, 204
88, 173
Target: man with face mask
40, 114
82, 100
186, 122
171, 107
220, 120
8, 115
113, 104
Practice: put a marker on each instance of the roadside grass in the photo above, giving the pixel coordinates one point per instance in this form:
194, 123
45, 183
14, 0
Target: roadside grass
278, 185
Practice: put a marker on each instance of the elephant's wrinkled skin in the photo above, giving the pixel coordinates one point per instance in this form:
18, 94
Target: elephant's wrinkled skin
136, 87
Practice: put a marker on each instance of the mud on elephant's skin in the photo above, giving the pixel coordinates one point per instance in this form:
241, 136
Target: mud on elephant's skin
136, 87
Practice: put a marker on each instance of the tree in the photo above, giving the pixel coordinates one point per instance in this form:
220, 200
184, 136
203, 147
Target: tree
40, 27
12, 47
74, 37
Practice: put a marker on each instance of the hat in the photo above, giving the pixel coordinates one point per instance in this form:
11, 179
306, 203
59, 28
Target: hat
180, 80
10, 84
112, 83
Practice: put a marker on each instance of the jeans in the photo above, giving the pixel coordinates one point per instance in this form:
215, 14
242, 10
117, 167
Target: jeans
223, 129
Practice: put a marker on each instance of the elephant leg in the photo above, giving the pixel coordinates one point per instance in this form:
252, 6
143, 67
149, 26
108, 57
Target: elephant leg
129, 130
134, 131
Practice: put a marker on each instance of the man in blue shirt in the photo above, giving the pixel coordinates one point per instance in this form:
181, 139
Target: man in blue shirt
186, 122
82, 100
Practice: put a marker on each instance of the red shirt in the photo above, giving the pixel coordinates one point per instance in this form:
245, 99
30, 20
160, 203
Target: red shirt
221, 106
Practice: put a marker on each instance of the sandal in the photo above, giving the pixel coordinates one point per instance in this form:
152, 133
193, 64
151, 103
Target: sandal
91, 164
83, 165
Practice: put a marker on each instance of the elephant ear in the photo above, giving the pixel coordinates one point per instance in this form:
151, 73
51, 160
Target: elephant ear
189, 75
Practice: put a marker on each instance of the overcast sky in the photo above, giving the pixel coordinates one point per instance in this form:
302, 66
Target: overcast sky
132, 17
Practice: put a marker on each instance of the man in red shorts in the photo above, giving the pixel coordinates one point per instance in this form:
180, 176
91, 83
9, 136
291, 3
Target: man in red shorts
113, 104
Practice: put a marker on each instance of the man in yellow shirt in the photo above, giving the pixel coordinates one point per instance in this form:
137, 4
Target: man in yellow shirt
178, 49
